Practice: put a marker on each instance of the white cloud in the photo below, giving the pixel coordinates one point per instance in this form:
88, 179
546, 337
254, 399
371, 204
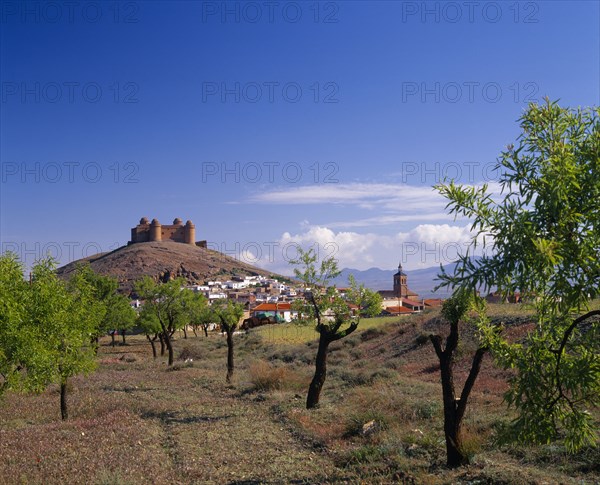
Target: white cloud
367, 195
423, 246
394, 203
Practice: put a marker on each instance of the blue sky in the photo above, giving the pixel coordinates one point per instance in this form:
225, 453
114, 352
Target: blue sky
320, 123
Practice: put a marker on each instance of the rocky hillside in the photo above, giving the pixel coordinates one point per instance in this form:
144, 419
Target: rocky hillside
164, 260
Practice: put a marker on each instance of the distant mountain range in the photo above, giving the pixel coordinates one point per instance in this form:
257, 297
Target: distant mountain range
421, 281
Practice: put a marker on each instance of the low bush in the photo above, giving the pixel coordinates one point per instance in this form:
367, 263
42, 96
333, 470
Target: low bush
266, 377
355, 423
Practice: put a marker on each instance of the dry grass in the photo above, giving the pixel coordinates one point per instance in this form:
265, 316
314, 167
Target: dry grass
135, 422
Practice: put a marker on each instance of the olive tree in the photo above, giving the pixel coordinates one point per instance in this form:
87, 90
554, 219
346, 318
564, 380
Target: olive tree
324, 307
541, 237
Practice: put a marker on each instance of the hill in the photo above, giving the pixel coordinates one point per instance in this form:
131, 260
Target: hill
164, 260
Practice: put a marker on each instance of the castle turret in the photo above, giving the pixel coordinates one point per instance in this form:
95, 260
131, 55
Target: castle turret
189, 233
155, 230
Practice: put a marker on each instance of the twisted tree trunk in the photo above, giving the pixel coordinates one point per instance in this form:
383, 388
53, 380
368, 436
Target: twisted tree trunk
314, 390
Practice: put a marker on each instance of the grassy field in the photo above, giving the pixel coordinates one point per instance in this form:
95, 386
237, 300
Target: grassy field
136, 421
291, 333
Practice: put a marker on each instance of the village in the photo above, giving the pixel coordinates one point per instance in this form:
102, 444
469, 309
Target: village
264, 297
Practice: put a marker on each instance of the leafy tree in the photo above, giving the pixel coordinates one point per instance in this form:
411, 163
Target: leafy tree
200, 313
454, 310
544, 237
228, 313
117, 313
23, 358
168, 302
371, 303
323, 306
46, 327
150, 324
195, 306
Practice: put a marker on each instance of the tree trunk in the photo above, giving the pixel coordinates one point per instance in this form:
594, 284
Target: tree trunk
229, 355
205, 327
454, 409
314, 390
63, 400
123, 332
455, 457
167, 340
185, 332
151, 340
95, 342
162, 345
194, 330
112, 334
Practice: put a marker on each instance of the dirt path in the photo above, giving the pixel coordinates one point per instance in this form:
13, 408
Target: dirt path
136, 422
215, 435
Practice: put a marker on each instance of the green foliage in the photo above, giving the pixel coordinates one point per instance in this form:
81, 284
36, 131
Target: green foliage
543, 236
228, 313
148, 321
114, 311
45, 326
331, 312
167, 302
69, 315
20, 343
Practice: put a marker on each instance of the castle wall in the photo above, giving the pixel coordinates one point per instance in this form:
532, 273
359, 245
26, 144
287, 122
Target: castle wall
172, 233
145, 232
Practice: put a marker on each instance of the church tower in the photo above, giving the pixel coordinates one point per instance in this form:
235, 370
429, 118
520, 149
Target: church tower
400, 284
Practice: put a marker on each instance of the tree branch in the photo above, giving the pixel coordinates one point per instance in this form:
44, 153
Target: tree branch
470, 382
436, 340
560, 351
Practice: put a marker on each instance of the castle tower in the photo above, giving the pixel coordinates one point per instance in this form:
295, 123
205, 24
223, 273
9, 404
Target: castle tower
138, 233
400, 283
155, 230
189, 233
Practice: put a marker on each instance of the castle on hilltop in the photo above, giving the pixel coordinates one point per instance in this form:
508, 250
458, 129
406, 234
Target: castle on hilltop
155, 231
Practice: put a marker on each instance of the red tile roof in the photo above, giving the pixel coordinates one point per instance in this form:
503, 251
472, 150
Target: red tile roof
271, 307
398, 309
406, 301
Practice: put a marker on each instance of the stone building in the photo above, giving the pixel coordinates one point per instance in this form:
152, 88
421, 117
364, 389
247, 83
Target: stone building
401, 295
401, 289
155, 231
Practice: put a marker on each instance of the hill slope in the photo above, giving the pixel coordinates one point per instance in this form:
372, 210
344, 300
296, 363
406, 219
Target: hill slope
164, 260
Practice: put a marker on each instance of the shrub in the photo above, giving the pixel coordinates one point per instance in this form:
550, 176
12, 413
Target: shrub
372, 333
190, 352
356, 421
266, 377
427, 409
364, 454
352, 378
